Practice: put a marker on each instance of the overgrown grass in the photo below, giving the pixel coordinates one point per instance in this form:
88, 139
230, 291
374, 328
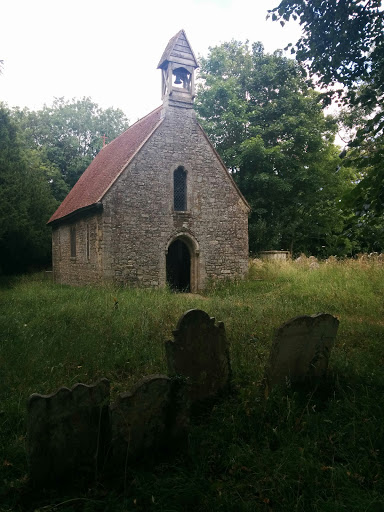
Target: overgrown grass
298, 450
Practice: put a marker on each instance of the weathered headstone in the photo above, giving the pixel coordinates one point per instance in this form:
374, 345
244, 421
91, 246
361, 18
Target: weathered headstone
154, 414
331, 260
67, 433
302, 259
200, 352
301, 349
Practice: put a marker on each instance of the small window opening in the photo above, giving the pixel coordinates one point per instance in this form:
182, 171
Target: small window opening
59, 244
88, 243
73, 241
180, 189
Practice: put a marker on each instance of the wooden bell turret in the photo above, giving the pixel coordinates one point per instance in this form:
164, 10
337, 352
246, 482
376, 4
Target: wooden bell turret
178, 64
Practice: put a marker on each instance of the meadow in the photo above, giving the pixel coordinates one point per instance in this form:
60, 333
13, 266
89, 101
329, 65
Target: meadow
303, 450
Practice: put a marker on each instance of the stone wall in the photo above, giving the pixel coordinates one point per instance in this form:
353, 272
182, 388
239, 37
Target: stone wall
81, 269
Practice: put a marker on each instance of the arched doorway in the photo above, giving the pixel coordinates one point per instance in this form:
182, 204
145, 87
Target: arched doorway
179, 266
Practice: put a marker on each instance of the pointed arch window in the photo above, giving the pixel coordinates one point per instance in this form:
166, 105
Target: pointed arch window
180, 189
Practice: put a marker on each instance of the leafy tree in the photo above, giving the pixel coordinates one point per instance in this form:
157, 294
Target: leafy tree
269, 128
342, 42
26, 203
343, 45
68, 136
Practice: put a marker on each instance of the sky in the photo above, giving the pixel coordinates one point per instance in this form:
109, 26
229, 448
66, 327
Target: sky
109, 50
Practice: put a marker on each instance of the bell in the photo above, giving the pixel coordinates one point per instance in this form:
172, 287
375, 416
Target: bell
181, 76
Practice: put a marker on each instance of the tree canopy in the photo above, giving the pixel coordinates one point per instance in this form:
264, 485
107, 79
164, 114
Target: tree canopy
69, 134
269, 127
343, 46
26, 202
342, 42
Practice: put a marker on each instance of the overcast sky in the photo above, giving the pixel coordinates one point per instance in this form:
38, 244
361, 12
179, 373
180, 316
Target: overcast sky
109, 49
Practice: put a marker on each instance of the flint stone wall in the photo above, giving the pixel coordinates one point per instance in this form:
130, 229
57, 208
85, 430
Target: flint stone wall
301, 349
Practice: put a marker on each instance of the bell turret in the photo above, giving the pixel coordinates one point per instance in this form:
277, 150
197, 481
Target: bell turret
178, 64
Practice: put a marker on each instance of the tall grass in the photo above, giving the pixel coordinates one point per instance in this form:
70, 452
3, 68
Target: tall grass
304, 451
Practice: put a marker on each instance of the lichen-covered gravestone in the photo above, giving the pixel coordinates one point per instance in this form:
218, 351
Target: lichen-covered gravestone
67, 433
301, 349
200, 352
152, 415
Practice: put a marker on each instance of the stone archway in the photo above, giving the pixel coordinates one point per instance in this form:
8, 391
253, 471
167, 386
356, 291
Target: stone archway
182, 263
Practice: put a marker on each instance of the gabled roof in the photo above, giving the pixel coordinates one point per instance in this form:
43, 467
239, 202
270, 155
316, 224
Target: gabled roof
107, 166
179, 51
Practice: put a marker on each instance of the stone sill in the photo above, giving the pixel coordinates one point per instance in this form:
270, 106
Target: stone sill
182, 215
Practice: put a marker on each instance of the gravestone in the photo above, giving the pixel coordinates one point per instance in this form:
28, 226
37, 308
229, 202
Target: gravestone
200, 353
68, 433
302, 259
331, 260
153, 415
301, 349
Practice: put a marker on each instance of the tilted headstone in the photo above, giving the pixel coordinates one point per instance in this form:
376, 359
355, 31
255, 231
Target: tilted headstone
301, 349
200, 352
154, 414
67, 433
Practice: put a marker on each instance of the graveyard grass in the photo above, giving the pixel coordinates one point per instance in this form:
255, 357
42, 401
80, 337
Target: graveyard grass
297, 450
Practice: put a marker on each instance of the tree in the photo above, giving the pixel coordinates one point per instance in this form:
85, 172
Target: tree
343, 46
26, 203
68, 136
269, 128
342, 42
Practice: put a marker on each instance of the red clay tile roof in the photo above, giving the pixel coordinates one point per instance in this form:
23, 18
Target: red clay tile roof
107, 166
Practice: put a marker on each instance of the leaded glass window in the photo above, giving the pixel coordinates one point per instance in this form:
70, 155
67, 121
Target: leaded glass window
180, 189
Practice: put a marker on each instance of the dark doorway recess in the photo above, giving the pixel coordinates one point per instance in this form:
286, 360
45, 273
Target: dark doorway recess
179, 266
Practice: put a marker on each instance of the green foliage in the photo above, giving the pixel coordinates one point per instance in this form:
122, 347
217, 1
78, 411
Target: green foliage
26, 203
269, 127
69, 134
343, 43
42, 154
306, 450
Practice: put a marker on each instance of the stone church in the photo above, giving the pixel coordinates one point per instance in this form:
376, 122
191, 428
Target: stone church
157, 204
